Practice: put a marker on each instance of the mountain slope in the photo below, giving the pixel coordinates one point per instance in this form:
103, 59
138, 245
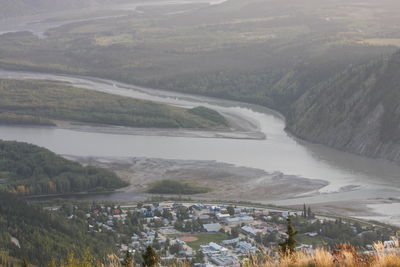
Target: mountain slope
357, 111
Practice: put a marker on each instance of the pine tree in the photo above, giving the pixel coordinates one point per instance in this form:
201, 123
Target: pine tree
128, 260
304, 211
289, 244
150, 257
309, 213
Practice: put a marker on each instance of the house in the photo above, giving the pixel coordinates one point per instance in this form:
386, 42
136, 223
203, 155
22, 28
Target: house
250, 230
246, 248
213, 249
203, 217
116, 211
238, 220
224, 260
221, 216
212, 227
232, 221
231, 242
199, 207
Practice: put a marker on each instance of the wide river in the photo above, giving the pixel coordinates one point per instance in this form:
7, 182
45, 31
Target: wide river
350, 177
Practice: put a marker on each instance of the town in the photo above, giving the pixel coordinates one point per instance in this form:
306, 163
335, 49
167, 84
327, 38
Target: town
215, 234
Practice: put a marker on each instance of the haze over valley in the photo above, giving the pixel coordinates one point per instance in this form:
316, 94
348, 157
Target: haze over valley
256, 103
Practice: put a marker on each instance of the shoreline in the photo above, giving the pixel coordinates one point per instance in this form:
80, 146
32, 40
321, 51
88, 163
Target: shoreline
307, 195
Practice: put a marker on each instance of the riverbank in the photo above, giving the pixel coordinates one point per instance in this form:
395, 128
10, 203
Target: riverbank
226, 181
346, 177
233, 184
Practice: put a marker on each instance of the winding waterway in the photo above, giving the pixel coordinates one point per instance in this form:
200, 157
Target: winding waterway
351, 178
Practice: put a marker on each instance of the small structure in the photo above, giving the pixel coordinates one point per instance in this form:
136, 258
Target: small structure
224, 260
213, 249
212, 227
250, 230
246, 248
238, 220
222, 216
231, 242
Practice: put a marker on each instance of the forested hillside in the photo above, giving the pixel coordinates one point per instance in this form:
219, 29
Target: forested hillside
357, 111
40, 236
30, 170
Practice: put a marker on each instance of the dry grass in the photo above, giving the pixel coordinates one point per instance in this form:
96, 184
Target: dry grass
341, 256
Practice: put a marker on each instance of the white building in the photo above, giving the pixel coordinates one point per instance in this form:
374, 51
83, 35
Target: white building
250, 230
212, 227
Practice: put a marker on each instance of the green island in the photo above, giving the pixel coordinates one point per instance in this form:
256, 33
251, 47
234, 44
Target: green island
44, 102
176, 188
27, 169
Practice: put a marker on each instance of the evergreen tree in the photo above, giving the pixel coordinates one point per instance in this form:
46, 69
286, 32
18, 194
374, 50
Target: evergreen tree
289, 244
128, 260
304, 211
150, 257
309, 213
231, 210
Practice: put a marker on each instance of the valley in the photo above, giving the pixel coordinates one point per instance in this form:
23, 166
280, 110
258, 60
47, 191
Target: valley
199, 133
340, 177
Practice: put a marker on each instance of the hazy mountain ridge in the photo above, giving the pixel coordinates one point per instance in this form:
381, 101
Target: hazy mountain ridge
14, 8
357, 111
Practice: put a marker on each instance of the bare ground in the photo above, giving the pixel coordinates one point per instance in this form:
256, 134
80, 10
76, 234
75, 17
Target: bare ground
226, 181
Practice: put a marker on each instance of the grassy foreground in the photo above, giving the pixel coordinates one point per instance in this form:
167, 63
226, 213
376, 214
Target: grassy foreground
43, 102
341, 256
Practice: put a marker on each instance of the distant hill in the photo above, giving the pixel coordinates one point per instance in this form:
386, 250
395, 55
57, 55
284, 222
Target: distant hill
14, 8
357, 111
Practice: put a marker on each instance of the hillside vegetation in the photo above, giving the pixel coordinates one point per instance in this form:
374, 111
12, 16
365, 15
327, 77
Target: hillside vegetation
31, 170
43, 236
357, 111
42, 102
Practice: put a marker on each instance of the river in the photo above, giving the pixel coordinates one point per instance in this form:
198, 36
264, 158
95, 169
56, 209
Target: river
39, 23
351, 178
